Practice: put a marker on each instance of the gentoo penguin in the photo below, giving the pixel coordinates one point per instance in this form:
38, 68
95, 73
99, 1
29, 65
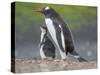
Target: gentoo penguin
47, 49
59, 32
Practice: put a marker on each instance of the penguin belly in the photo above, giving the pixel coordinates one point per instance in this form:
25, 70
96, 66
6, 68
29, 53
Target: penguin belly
42, 54
52, 31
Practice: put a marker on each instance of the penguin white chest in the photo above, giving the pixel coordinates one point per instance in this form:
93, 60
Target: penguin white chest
51, 29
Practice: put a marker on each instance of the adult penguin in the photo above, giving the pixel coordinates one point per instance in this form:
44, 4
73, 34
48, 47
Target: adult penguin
59, 32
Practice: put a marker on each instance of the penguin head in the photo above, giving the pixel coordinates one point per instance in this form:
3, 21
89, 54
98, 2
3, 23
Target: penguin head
43, 29
47, 11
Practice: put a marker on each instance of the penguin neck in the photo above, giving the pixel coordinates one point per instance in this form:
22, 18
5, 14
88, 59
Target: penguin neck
56, 18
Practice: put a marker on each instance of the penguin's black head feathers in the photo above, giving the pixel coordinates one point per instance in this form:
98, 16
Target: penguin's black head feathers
43, 29
47, 11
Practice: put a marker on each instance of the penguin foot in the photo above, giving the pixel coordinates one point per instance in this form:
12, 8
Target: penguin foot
48, 58
64, 59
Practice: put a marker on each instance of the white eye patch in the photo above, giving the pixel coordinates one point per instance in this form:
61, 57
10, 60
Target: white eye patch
47, 8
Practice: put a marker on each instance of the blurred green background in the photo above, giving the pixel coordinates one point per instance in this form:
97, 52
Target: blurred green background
75, 16
82, 21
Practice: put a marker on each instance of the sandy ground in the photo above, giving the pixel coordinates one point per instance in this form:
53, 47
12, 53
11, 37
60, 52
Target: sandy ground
26, 66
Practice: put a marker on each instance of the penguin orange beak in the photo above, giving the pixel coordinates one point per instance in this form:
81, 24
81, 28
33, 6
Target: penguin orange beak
38, 10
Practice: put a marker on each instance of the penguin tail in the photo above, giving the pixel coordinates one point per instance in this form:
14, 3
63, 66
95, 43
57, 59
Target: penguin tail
78, 57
